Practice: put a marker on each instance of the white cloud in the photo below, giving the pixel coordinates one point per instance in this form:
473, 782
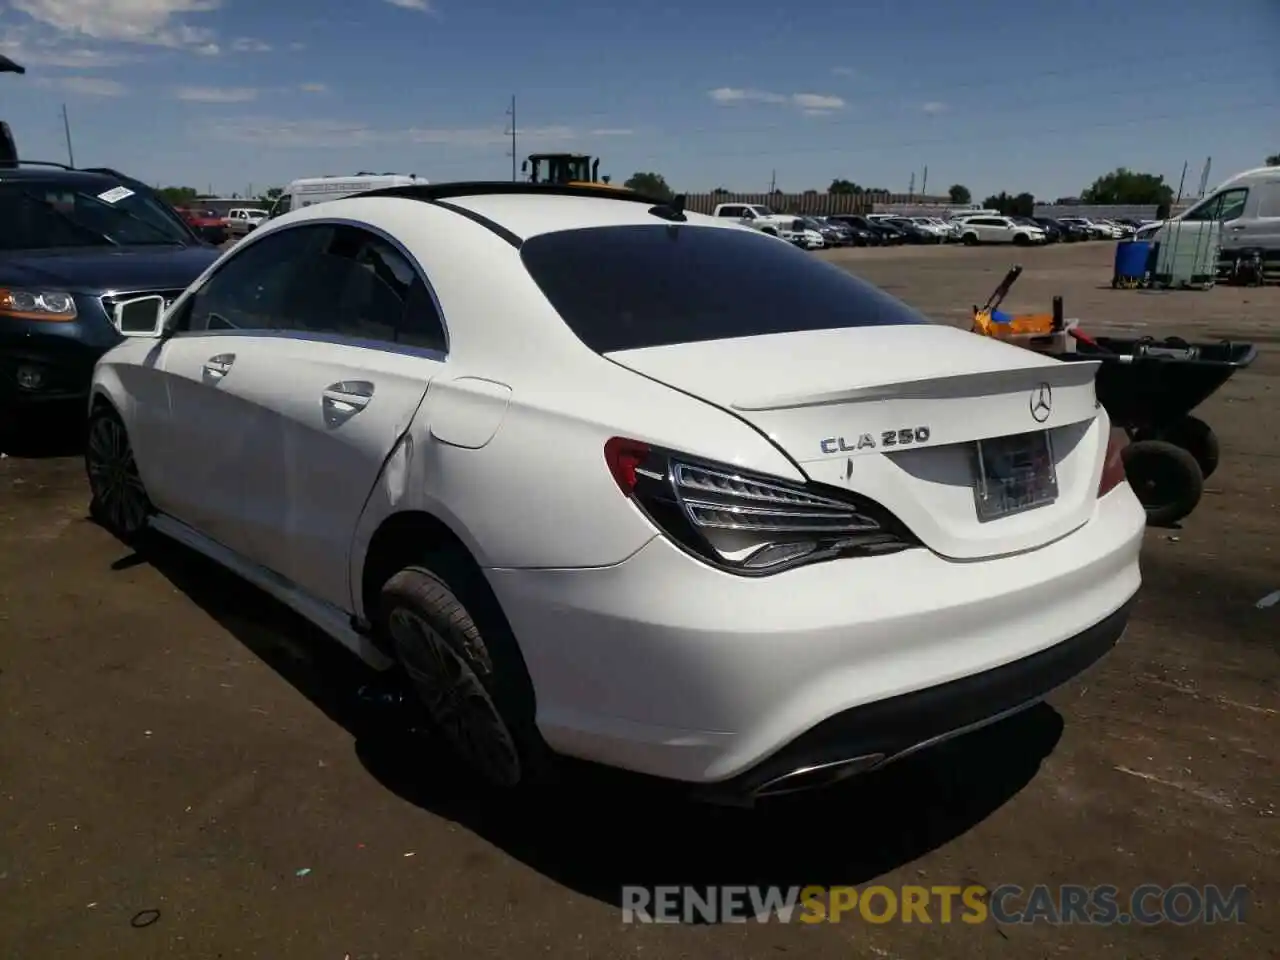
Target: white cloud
85, 86
297, 45
270, 132
843, 72
817, 102
933, 106
216, 94
423, 5
44, 51
738, 95
151, 22
811, 103
249, 45
313, 88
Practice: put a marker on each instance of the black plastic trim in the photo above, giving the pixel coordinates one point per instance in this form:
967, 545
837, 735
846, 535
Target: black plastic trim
479, 188
481, 219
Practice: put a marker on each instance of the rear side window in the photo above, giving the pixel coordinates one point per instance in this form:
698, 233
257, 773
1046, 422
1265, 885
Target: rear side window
623, 288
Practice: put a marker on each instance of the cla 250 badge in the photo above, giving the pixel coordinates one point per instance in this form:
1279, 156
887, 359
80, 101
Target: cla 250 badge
889, 438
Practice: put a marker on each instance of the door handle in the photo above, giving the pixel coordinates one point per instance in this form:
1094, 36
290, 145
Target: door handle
218, 367
347, 396
1236, 229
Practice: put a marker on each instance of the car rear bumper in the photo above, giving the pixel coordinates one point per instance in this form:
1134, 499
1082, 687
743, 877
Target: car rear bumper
665, 666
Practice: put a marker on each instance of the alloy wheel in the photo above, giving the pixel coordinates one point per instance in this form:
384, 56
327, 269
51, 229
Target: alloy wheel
113, 476
455, 699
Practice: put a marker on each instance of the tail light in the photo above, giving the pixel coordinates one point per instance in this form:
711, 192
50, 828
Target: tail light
745, 523
1113, 466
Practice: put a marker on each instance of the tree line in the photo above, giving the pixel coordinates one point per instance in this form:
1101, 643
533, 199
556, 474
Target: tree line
1120, 186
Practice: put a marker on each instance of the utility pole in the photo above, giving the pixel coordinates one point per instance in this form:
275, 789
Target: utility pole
911, 190
1204, 176
66, 129
511, 112
924, 184
1183, 181
773, 181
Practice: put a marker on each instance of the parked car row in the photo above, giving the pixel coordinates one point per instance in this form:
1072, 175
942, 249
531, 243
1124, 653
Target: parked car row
889, 229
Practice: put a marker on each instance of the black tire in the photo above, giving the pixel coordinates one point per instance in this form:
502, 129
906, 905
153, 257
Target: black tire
1166, 479
464, 665
117, 498
1021, 240
1198, 439
970, 239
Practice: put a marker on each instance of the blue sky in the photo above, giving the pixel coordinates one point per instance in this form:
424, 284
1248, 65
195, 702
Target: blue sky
996, 94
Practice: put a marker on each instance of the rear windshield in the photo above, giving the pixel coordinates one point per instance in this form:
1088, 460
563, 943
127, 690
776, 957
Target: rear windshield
623, 288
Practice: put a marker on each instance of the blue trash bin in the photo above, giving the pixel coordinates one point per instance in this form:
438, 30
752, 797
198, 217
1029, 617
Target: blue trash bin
1132, 258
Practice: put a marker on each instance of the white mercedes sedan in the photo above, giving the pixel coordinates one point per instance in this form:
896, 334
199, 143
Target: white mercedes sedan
613, 480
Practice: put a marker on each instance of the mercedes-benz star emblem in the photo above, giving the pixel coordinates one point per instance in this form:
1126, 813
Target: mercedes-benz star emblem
1041, 403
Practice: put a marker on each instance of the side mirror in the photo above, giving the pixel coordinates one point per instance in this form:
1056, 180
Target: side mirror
524, 166
140, 317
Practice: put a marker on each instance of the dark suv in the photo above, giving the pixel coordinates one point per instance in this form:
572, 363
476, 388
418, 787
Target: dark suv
72, 244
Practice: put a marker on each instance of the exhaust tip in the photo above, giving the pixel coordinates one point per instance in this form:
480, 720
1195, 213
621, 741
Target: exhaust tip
817, 776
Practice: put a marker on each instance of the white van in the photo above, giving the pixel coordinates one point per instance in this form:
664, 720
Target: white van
312, 190
1247, 206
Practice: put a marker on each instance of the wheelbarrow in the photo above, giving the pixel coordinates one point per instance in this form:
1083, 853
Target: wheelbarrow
1150, 388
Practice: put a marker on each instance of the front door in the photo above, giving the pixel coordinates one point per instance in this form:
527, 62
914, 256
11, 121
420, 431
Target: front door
209, 365
335, 392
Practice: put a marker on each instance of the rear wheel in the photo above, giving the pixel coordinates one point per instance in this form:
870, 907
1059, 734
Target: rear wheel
1198, 439
1166, 479
970, 239
118, 500
465, 668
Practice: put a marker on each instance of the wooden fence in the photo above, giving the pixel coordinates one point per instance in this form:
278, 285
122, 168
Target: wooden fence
805, 204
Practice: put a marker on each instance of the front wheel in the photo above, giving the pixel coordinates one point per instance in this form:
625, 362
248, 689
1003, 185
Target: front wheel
970, 239
1166, 479
118, 499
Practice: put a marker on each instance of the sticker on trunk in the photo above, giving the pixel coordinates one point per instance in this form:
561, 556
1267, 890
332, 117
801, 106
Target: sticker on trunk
115, 194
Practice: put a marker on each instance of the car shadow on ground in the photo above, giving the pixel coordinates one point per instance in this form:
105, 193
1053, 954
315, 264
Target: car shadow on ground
597, 829
43, 433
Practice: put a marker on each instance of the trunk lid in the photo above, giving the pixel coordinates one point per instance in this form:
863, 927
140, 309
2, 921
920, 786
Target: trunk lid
894, 413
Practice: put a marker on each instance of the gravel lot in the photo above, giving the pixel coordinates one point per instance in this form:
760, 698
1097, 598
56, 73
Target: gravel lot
174, 741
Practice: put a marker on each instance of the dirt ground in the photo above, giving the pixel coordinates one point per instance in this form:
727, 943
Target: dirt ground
173, 741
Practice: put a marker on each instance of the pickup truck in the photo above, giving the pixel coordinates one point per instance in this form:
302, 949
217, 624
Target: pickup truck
759, 217
242, 221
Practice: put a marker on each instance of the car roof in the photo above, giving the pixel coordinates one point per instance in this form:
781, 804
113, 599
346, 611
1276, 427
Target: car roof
519, 212
88, 178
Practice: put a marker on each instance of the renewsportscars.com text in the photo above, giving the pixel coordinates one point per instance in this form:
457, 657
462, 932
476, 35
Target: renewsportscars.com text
1101, 905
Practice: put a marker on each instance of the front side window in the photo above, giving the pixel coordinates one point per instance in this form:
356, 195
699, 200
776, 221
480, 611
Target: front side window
1228, 205
257, 287
316, 278
623, 288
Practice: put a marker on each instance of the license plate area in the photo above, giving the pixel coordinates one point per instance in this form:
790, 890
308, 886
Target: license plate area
1013, 474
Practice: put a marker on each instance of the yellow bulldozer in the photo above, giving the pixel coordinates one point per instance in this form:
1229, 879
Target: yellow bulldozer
569, 169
